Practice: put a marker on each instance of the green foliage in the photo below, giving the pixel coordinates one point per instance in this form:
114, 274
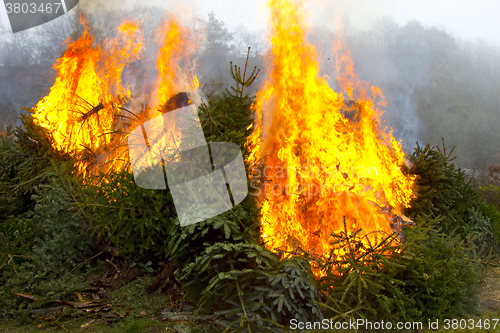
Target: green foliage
242, 81
493, 213
441, 272
43, 246
225, 119
227, 116
491, 194
432, 275
62, 239
443, 191
42, 218
235, 226
133, 219
25, 156
361, 280
252, 288
43, 234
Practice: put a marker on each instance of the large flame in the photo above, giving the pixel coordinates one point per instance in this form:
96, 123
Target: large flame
175, 49
171, 80
84, 109
176, 46
82, 106
323, 155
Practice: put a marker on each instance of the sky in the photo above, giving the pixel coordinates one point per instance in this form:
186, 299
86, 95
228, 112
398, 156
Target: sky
466, 19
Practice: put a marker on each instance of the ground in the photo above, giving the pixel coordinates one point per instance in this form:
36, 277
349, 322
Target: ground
137, 312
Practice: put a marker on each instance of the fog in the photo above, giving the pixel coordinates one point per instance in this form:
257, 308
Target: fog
439, 87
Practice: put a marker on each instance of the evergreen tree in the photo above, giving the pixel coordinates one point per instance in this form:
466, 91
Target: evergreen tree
218, 37
212, 71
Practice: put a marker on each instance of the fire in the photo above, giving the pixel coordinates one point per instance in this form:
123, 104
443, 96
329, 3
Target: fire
175, 49
84, 110
323, 154
171, 80
82, 107
167, 61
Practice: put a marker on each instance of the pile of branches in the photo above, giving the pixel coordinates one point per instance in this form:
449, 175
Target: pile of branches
55, 224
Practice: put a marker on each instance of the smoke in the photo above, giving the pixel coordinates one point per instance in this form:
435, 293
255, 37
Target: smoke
402, 116
95, 6
431, 85
359, 14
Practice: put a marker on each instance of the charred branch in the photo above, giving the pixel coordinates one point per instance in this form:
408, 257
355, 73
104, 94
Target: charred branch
92, 111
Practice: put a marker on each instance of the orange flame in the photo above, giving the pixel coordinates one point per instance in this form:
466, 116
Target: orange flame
83, 110
324, 156
171, 80
82, 105
166, 62
176, 47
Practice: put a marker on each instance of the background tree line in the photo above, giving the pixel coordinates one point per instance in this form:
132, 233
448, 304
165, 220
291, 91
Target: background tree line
438, 86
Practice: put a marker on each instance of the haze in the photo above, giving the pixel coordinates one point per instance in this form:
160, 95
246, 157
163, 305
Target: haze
466, 19
437, 62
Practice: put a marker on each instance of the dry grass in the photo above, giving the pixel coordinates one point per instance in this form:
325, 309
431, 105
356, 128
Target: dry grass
490, 296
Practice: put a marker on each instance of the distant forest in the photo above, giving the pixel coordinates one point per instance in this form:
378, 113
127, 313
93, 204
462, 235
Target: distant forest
438, 87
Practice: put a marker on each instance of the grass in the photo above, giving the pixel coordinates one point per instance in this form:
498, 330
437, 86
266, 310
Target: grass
140, 314
132, 324
128, 325
131, 311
